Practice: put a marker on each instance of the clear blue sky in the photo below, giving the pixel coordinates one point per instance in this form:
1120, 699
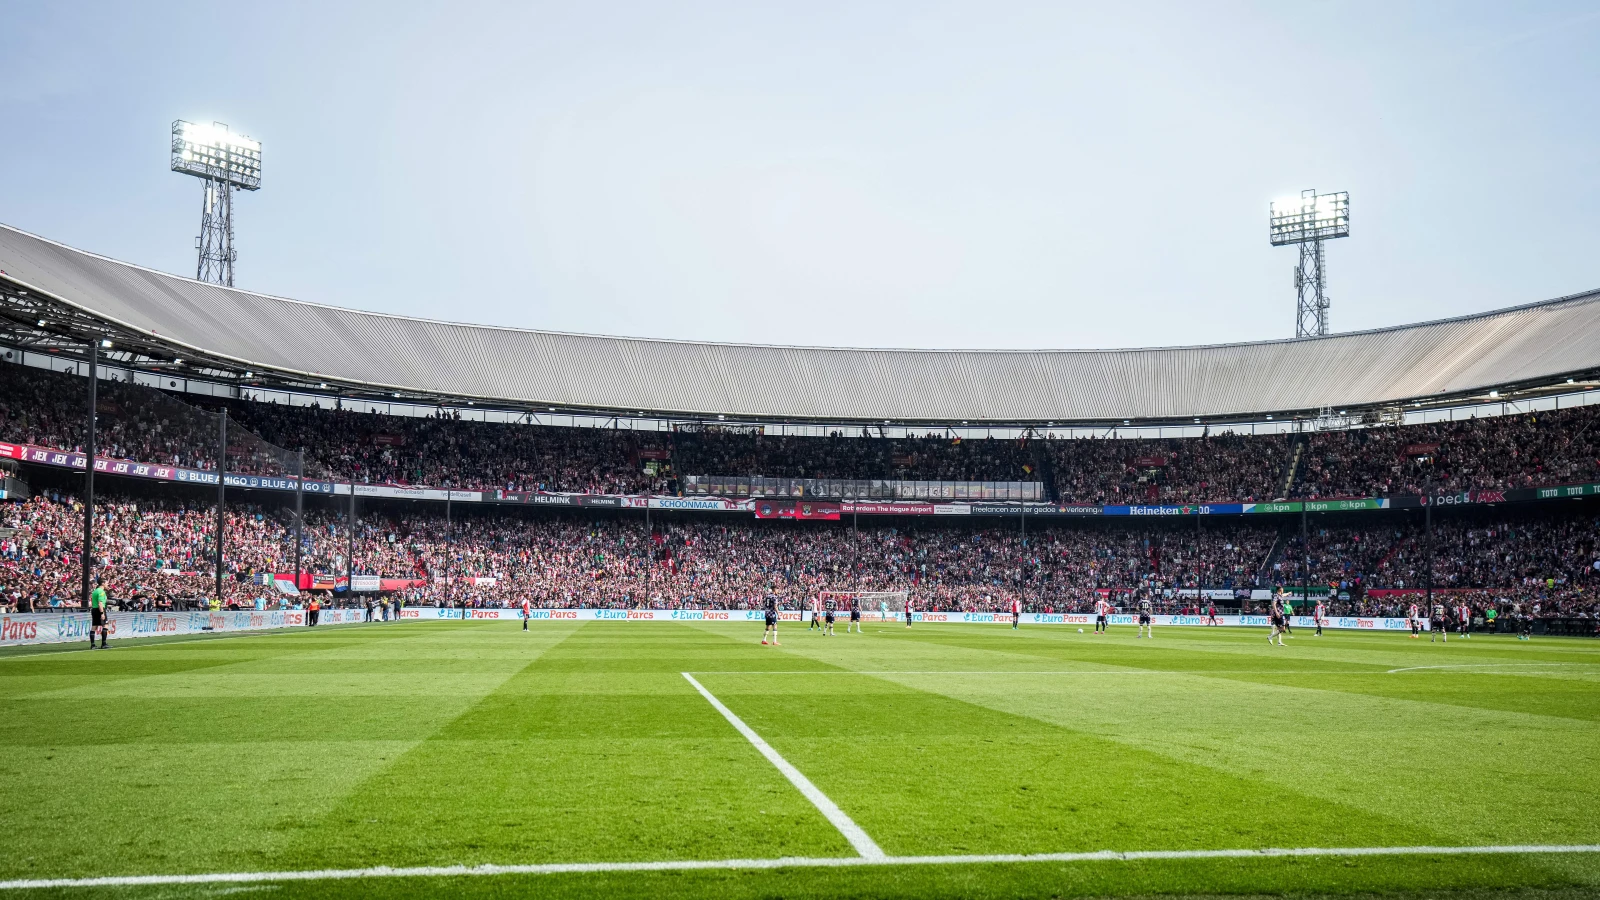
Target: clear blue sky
913, 174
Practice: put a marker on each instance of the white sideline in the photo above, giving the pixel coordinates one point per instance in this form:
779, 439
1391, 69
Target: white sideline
852, 832
1502, 665
1040, 672
792, 862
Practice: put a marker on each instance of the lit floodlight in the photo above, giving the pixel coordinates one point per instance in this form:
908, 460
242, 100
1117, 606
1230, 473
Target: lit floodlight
214, 153
226, 162
1308, 220
1310, 217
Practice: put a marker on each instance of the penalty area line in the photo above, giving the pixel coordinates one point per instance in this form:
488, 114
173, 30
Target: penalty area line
852, 832
798, 862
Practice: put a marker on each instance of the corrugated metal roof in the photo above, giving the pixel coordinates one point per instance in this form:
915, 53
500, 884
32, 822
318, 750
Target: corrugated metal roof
1525, 344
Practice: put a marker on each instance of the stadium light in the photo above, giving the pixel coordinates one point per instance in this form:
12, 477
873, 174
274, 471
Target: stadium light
226, 162
214, 153
1308, 220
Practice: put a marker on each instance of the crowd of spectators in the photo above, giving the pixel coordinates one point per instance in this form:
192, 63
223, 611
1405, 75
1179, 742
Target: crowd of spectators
161, 553
931, 457
1490, 454
1211, 469
363, 444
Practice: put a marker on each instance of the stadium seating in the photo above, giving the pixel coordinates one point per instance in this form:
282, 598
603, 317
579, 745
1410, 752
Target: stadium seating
1498, 453
161, 552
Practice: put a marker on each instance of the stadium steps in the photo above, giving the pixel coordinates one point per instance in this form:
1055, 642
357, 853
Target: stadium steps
1279, 543
1046, 471
1291, 469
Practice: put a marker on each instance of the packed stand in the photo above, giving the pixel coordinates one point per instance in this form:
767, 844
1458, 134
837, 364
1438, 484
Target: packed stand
160, 554
932, 457
1490, 454
144, 424
1213, 469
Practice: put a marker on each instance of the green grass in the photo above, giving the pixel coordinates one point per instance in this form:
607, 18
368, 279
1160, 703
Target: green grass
436, 744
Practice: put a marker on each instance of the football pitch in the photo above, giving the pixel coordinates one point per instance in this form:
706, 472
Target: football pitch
685, 759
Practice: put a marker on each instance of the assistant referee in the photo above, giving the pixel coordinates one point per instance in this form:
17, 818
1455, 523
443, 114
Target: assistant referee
97, 614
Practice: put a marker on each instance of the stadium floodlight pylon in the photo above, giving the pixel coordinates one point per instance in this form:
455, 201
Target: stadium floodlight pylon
226, 162
883, 605
1308, 220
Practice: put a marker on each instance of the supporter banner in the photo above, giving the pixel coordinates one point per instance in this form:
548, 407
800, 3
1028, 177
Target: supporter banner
797, 509
322, 582
1207, 594
409, 493
55, 628
365, 583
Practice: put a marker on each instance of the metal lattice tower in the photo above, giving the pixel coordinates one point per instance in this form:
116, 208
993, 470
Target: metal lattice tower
215, 242
1308, 220
1311, 291
224, 162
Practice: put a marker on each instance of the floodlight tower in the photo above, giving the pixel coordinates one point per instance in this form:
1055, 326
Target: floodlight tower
226, 162
1308, 220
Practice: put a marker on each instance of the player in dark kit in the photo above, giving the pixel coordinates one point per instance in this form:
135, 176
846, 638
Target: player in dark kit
1439, 627
770, 607
1145, 628
908, 610
855, 616
1276, 614
829, 608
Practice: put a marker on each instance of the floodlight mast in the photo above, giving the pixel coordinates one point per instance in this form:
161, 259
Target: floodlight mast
1308, 220
226, 162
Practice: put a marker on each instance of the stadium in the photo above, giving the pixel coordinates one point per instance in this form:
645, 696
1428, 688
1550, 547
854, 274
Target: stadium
307, 600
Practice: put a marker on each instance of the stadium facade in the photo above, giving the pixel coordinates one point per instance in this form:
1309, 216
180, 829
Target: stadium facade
57, 298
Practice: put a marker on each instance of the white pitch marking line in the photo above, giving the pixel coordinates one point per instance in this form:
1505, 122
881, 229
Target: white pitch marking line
852, 832
1044, 672
793, 862
1509, 665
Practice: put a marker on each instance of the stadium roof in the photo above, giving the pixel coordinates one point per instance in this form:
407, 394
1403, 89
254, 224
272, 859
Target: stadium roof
295, 343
